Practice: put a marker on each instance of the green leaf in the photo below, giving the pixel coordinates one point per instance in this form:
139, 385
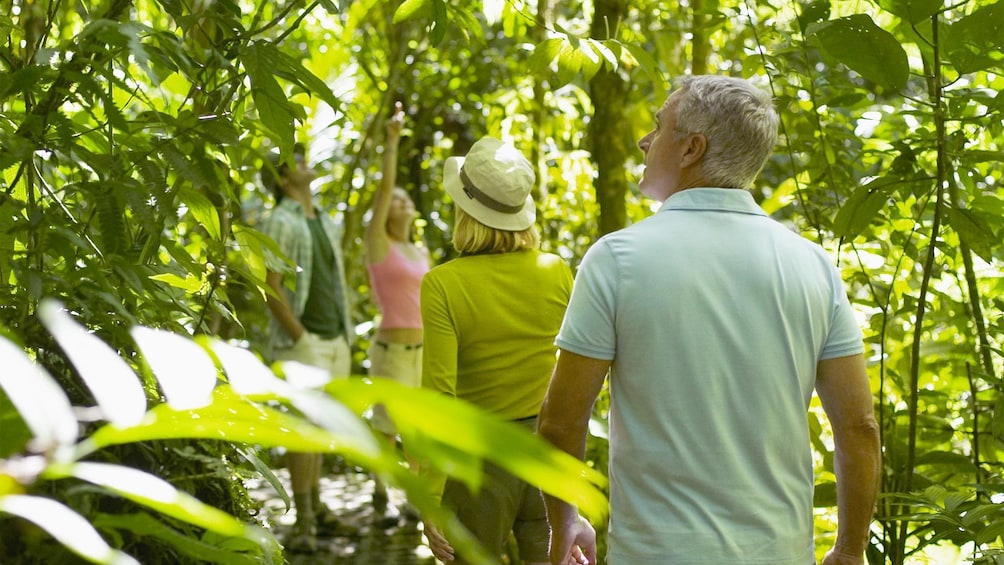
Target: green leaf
990, 533
190, 284
115, 386
861, 208
294, 71
866, 48
38, 398
203, 211
260, 60
410, 9
648, 64
236, 419
974, 231
439, 22
913, 11
544, 54
427, 416
185, 371
146, 526
976, 42
68, 527
158, 494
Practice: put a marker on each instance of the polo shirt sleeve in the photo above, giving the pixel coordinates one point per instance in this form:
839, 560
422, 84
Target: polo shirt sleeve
588, 328
845, 335
439, 360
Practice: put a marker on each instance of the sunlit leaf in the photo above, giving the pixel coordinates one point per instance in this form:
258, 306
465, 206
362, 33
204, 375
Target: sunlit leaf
146, 526
866, 48
544, 54
245, 372
158, 494
974, 231
68, 527
260, 60
976, 42
42, 404
203, 211
493, 10
115, 386
861, 208
410, 9
233, 418
431, 416
190, 284
185, 371
912, 11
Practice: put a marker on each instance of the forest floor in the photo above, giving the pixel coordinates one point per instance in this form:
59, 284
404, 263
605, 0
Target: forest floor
368, 534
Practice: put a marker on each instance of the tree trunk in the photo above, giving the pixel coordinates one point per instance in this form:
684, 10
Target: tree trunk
611, 146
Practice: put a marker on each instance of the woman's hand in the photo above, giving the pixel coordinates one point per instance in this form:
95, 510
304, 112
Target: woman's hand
396, 122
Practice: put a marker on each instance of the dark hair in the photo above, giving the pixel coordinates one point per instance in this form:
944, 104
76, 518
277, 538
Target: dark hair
274, 167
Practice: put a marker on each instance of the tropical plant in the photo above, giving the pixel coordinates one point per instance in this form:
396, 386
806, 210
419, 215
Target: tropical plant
244, 408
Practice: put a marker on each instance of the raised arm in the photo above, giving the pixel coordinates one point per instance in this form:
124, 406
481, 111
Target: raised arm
377, 240
842, 386
564, 420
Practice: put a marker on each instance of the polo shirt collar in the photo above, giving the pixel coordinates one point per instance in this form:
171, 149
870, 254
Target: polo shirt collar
714, 200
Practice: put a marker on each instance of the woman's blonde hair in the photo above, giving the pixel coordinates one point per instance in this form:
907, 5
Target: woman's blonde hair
471, 237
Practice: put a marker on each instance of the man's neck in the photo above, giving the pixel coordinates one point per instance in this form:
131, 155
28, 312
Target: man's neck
305, 200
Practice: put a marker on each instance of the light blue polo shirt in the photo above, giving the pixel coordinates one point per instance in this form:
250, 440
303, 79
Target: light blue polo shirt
714, 316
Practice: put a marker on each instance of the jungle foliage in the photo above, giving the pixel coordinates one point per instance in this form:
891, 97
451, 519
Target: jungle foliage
132, 131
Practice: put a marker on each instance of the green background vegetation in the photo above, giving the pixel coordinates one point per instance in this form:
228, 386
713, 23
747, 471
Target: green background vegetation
131, 133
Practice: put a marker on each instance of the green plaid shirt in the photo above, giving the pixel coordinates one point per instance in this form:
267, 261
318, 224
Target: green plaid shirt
287, 225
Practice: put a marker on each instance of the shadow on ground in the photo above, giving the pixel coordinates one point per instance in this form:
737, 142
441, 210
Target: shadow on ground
367, 535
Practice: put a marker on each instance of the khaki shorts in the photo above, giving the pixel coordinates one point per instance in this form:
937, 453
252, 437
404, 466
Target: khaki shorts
504, 504
332, 355
399, 362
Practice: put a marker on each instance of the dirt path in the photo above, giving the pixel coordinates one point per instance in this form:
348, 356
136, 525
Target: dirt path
369, 537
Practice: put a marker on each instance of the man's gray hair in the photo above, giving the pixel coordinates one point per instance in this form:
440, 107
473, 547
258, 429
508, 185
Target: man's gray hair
739, 121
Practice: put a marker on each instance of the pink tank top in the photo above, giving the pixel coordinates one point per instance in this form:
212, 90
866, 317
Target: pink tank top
397, 283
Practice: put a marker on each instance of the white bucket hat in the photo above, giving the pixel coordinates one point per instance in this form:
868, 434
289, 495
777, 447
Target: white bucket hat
493, 184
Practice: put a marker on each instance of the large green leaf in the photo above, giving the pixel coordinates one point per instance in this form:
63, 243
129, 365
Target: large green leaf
158, 494
68, 527
974, 231
115, 386
146, 526
912, 11
861, 208
185, 371
426, 416
260, 60
976, 42
866, 48
234, 418
42, 404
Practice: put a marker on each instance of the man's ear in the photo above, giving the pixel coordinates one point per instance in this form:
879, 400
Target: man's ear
695, 147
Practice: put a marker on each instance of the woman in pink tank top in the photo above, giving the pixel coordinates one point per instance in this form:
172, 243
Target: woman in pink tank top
396, 265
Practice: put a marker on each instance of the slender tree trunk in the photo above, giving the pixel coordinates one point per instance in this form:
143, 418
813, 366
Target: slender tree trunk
610, 144
699, 45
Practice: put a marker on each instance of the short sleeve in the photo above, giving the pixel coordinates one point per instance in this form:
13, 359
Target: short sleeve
439, 360
845, 334
588, 328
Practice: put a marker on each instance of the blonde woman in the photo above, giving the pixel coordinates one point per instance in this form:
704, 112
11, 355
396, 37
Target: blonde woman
396, 265
490, 318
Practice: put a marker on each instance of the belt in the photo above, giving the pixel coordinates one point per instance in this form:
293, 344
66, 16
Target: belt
406, 346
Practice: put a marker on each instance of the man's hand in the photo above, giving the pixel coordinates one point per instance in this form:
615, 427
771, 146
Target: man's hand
574, 544
836, 558
438, 544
